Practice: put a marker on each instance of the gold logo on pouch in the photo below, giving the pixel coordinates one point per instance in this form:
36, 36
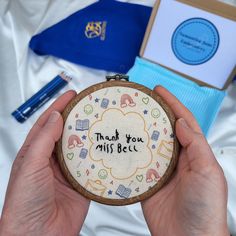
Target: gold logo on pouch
96, 29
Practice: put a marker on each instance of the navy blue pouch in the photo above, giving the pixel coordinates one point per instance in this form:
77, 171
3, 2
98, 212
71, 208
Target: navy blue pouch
105, 35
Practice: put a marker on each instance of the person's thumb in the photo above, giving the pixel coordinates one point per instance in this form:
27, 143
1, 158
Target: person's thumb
43, 144
198, 151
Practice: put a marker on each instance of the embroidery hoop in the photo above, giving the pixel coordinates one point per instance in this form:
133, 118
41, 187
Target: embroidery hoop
163, 180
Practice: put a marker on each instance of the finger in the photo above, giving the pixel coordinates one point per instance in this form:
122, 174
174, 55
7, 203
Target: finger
178, 108
197, 149
58, 105
43, 143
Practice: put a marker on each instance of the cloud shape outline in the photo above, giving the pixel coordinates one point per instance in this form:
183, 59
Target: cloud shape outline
147, 153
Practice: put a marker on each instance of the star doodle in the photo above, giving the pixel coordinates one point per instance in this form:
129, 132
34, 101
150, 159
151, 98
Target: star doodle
145, 112
96, 99
84, 137
109, 192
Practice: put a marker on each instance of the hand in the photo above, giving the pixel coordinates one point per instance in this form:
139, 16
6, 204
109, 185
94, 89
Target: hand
195, 199
39, 201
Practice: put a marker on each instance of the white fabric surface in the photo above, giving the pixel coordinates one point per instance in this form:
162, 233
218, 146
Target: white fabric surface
23, 73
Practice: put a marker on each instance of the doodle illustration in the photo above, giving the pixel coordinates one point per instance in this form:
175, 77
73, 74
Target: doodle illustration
123, 192
88, 109
165, 130
155, 113
152, 175
82, 125
137, 189
70, 155
126, 100
78, 165
87, 172
145, 100
164, 120
139, 178
83, 153
74, 141
102, 174
165, 149
131, 182
96, 187
104, 103
155, 135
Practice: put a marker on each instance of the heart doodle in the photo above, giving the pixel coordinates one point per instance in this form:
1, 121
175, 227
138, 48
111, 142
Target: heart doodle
70, 155
145, 100
139, 178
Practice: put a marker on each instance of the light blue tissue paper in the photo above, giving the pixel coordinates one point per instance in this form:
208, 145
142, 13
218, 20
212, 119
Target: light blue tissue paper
203, 102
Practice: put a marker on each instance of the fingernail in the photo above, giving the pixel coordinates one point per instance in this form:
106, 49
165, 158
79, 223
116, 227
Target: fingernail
54, 116
157, 86
183, 123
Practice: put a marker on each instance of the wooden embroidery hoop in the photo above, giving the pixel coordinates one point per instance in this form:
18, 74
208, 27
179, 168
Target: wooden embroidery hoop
163, 179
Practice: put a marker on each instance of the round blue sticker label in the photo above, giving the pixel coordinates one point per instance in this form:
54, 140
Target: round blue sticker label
195, 41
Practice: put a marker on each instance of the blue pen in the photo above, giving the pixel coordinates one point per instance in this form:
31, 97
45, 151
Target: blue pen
23, 112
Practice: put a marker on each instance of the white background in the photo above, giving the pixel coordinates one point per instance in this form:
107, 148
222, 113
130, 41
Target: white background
23, 73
